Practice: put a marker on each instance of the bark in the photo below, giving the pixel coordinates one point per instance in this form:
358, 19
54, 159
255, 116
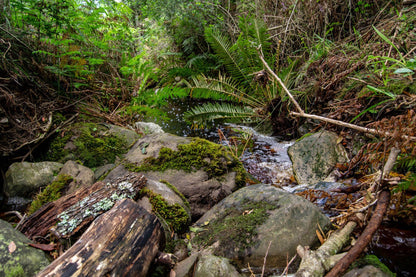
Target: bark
73, 212
315, 263
122, 242
365, 237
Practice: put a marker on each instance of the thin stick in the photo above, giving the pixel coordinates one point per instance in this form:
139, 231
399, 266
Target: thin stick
265, 258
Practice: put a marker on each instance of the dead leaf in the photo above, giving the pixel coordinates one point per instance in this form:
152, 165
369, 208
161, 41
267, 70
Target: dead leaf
12, 247
44, 247
320, 237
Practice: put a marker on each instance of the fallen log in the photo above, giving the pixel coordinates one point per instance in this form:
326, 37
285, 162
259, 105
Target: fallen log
66, 216
122, 242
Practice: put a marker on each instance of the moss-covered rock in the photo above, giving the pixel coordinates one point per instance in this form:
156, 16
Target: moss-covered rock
91, 143
17, 258
51, 193
242, 225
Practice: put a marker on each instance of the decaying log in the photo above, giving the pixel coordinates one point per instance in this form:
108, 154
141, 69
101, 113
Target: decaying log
365, 238
317, 262
122, 242
67, 215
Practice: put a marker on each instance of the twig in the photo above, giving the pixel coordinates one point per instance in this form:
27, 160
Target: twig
287, 266
365, 237
265, 259
321, 118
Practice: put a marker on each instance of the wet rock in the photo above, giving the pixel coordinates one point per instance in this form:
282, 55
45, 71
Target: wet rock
83, 176
149, 127
17, 258
242, 225
315, 156
24, 179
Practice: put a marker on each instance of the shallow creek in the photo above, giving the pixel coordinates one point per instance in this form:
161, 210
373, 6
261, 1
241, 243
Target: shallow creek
267, 161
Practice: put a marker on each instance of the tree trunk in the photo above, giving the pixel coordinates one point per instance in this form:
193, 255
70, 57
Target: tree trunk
73, 212
122, 242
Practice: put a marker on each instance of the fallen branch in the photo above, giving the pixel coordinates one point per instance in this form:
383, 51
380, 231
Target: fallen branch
321, 118
365, 237
315, 263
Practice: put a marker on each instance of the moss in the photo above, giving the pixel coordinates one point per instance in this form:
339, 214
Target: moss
374, 261
51, 193
93, 147
237, 225
175, 215
199, 154
172, 187
16, 271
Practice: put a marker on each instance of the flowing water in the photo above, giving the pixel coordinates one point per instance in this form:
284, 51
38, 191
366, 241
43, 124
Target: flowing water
267, 161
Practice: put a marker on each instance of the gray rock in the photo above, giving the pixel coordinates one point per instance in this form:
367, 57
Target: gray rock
367, 271
24, 179
102, 170
148, 127
314, 157
83, 176
185, 267
17, 258
212, 266
241, 226
128, 136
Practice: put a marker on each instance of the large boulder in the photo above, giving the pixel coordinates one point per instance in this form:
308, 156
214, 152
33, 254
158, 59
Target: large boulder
24, 179
314, 157
242, 225
204, 172
17, 258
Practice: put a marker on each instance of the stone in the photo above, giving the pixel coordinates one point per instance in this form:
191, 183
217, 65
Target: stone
17, 258
25, 179
149, 127
243, 224
213, 266
103, 170
314, 157
83, 176
367, 271
128, 136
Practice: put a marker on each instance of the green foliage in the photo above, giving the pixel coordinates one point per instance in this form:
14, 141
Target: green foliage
51, 193
175, 215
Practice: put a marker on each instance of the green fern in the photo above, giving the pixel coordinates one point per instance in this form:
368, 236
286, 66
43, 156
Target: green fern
211, 111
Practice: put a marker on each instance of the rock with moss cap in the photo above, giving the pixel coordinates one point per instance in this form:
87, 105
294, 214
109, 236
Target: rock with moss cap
241, 226
204, 172
17, 258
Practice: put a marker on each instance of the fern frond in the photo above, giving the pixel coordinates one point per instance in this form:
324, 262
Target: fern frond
211, 111
222, 88
222, 48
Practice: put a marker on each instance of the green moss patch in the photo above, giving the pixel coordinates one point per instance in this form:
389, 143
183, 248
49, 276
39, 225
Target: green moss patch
174, 215
213, 158
237, 228
91, 144
51, 193
374, 261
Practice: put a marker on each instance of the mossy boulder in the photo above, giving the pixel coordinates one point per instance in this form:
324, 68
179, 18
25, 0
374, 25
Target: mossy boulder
315, 156
25, 179
242, 225
168, 204
17, 258
91, 144
204, 172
